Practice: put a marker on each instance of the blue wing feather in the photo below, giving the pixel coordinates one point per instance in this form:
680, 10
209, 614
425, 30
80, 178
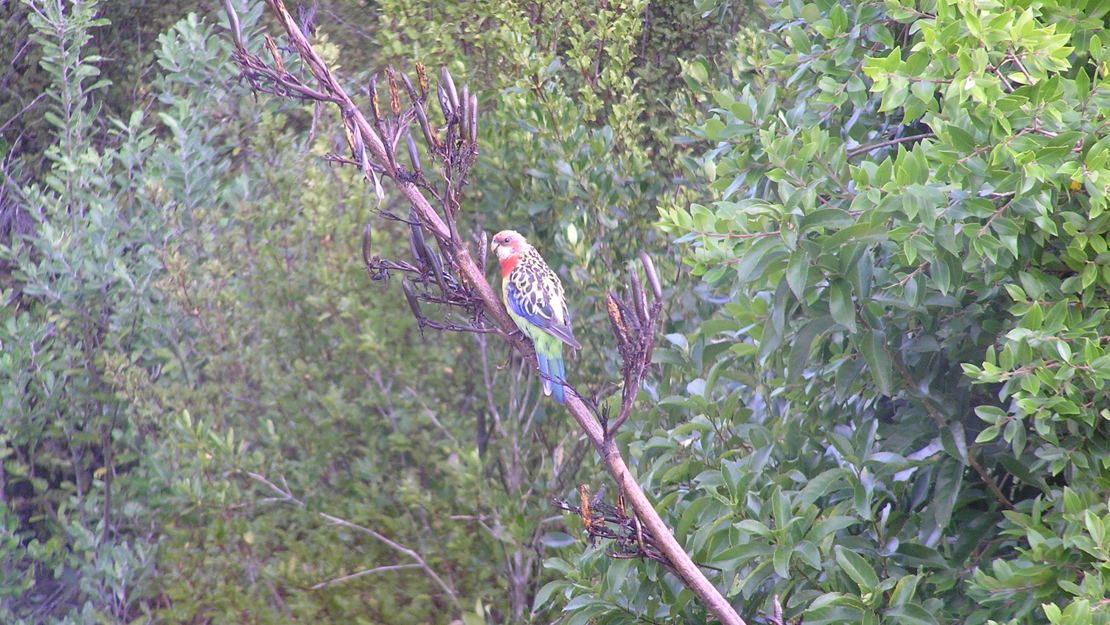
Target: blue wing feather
539, 314
518, 306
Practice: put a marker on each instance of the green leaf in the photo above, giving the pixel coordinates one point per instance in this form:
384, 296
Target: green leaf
829, 526
857, 568
961, 139
751, 526
617, 574
781, 561
819, 486
947, 491
940, 275
802, 343
841, 307
557, 539
872, 345
990, 414
757, 257
904, 591
545, 593
1073, 504
911, 614
988, 434
954, 441
859, 233
797, 273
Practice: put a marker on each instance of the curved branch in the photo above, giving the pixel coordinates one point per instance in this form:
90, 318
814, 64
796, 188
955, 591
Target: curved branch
488, 304
456, 249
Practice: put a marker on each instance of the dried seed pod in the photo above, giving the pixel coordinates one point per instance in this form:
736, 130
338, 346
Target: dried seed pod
375, 109
483, 250
464, 117
415, 250
444, 102
366, 235
233, 22
358, 148
379, 192
413, 156
652, 276
408, 89
410, 297
638, 300
449, 84
349, 133
422, 80
617, 320
584, 507
436, 269
425, 127
437, 263
272, 47
364, 162
420, 252
472, 123
394, 98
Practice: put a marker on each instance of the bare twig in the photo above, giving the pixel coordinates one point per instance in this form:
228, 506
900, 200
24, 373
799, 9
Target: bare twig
285, 495
377, 569
882, 144
22, 111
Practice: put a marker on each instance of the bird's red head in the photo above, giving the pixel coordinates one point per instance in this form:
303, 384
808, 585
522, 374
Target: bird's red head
509, 246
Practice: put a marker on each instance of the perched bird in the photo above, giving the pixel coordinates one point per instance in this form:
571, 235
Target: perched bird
534, 297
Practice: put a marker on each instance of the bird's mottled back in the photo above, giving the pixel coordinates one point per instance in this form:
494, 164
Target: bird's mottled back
541, 292
535, 300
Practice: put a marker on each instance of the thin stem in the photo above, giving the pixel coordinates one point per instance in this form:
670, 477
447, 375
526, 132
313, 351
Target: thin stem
286, 495
377, 569
882, 144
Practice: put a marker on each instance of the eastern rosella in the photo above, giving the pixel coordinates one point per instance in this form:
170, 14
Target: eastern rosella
534, 297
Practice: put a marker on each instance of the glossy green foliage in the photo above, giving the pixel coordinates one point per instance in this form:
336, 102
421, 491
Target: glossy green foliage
906, 389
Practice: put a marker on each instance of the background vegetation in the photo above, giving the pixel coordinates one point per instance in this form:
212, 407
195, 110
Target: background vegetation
883, 391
